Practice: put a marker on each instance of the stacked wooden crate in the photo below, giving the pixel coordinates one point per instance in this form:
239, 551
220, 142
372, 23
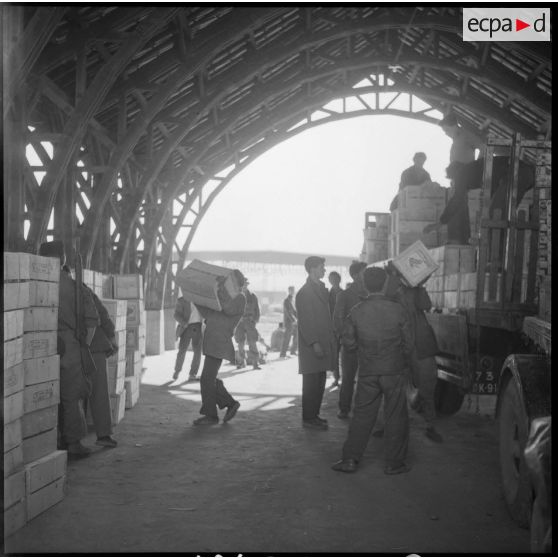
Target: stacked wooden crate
453, 285
32, 388
417, 207
376, 233
130, 288
116, 364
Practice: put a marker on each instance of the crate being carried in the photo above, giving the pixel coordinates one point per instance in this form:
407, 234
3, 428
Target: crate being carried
199, 283
415, 263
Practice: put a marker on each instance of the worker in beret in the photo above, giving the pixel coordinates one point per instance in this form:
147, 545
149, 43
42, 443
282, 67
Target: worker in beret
316, 341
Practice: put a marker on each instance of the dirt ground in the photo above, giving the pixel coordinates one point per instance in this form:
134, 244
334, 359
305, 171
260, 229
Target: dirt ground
262, 484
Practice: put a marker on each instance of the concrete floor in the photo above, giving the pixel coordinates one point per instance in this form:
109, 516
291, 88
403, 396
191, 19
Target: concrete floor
263, 484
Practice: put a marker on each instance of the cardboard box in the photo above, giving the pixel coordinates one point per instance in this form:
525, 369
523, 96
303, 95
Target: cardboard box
45, 498
116, 372
44, 269
13, 407
127, 286
40, 396
39, 445
132, 387
43, 369
13, 324
13, 352
14, 518
39, 421
118, 406
12, 435
14, 379
16, 295
14, 489
415, 264
43, 293
198, 282
13, 461
39, 344
44, 471
40, 318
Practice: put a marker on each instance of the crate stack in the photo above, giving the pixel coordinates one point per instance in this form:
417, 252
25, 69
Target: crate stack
417, 207
130, 288
376, 233
453, 285
35, 471
116, 364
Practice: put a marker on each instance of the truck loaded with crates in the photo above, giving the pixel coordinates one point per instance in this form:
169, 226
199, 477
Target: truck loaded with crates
491, 298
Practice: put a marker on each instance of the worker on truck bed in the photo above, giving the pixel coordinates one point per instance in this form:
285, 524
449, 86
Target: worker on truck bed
414, 175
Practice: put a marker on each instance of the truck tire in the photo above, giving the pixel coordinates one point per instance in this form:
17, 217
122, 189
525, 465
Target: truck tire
514, 430
448, 398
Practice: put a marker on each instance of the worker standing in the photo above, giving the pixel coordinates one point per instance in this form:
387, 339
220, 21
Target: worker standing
291, 324
246, 330
189, 328
335, 281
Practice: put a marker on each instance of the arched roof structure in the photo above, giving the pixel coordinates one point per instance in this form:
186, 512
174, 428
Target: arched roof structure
149, 109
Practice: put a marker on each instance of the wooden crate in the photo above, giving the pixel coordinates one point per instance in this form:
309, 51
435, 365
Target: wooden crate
13, 352
198, 282
133, 363
43, 268
132, 389
120, 337
40, 396
11, 266
40, 318
44, 471
43, 293
39, 421
415, 264
106, 286
39, 445
13, 324
454, 258
14, 489
115, 308
16, 295
43, 369
116, 372
127, 286
133, 338
45, 498
15, 517
13, 460
13, 407
135, 313
12, 435
14, 379
118, 406
39, 344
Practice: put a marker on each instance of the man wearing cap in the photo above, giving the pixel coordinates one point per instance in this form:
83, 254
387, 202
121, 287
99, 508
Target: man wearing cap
316, 341
246, 330
416, 174
217, 345
75, 386
378, 329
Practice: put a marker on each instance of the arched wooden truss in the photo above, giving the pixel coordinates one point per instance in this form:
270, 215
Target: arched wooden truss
138, 117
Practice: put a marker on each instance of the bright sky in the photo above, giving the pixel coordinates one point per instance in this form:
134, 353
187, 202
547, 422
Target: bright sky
309, 193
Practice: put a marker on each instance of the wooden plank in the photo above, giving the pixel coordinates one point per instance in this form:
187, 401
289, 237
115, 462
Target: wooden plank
44, 471
115, 376
15, 518
45, 498
517, 277
39, 421
13, 352
16, 296
13, 379
118, 407
39, 445
495, 260
13, 407
40, 318
13, 324
14, 489
13, 461
42, 369
12, 435
132, 390
43, 293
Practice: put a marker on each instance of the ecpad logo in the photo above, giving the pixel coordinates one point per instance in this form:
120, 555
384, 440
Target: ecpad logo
506, 24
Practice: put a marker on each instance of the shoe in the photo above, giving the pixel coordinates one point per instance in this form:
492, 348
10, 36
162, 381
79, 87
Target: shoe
378, 433
106, 441
205, 420
432, 434
256, 367
343, 415
240, 365
294, 353
231, 411
315, 423
193, 379
175, 375
283, 357
78, 451
322, 420
397, 469
345, 466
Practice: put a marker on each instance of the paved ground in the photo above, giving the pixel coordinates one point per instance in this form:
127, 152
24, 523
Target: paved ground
263, 484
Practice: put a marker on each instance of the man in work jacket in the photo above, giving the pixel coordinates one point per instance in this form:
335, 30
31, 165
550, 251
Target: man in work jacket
246, 330
102, 346
75, 385
217, 345
316, 341
378, 328
351, 296
189, 328
291, 324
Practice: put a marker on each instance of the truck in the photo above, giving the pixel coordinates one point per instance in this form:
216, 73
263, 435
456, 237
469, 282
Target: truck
491, 308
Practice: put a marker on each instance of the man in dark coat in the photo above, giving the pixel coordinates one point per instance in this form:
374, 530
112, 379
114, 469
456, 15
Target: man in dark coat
75, 384
189, 328
379, 330
246, 330
316, 341
291, 324
351, 296
217, 345
415, 175
335, 281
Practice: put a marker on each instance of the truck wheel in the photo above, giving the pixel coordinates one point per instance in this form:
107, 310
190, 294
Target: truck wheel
448, 398
514, 429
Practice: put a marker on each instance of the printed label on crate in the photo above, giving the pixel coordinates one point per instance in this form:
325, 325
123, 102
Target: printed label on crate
13, 379
39, 421
39, 396
44, 268
39, 344
415, 263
